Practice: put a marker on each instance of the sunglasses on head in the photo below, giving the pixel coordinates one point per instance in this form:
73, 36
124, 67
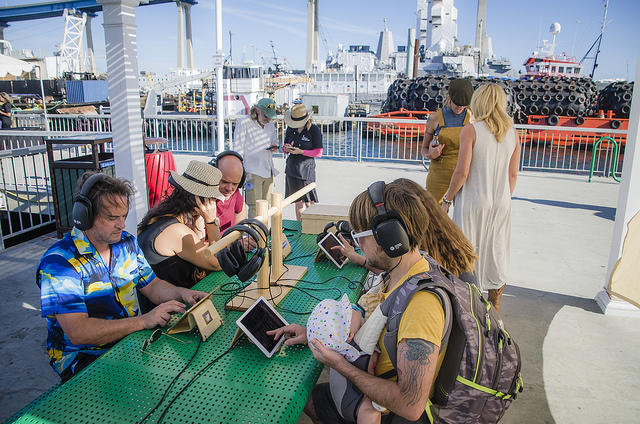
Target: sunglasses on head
155, 336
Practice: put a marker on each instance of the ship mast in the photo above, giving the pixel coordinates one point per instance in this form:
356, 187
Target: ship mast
598, 41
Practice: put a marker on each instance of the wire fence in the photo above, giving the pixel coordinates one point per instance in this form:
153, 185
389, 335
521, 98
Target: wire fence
26, 202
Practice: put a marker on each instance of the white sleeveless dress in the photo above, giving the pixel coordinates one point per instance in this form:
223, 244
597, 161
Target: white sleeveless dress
482, 207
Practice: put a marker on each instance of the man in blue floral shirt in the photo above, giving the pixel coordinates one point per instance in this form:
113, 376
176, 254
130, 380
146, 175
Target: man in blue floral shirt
88, 283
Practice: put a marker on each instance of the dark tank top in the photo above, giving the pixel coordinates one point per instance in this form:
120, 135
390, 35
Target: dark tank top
173, 269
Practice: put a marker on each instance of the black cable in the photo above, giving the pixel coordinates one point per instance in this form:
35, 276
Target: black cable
172, 382
196, 375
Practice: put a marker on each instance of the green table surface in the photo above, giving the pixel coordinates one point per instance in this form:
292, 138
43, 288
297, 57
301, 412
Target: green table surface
243, 386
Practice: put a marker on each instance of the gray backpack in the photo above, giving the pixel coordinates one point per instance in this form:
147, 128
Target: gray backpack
480, 373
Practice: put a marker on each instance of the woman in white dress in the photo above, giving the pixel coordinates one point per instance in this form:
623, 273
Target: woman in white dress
482, 185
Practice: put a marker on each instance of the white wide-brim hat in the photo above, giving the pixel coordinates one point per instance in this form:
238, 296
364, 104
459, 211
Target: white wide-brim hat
199, 179
297, 116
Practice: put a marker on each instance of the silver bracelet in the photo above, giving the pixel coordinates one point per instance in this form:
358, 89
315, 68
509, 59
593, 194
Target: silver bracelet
447, 201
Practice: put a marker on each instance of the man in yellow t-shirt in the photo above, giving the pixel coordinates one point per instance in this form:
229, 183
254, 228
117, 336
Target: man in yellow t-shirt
401, 219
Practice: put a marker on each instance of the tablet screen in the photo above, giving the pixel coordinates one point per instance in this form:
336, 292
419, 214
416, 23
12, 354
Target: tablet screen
330, 241
260, 319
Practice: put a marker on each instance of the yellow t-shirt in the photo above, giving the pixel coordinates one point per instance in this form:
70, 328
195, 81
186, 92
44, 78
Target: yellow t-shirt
423, 319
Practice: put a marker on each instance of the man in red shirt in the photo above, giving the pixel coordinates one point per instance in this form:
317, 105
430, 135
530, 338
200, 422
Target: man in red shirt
232, 209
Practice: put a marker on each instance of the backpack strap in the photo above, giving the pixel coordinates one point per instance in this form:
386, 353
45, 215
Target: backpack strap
396, 303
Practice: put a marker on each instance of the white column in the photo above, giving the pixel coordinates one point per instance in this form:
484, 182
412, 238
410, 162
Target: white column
316, 38
628, 206
187, 19
180, 36
411, 35
89, 37
2, 45
219, 90
124, 96
310, 33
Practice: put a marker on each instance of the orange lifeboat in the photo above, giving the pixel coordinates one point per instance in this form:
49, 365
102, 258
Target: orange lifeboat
411, 124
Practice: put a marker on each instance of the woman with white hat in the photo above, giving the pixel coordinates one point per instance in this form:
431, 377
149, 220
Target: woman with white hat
303, 143
174, 233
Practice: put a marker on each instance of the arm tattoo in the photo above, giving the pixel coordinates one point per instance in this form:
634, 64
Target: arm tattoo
415, 354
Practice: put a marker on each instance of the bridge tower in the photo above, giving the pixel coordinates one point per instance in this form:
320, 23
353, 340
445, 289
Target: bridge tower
71, 51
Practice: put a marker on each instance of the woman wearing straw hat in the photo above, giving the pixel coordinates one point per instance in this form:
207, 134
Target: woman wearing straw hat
173, 234
5, 110
303, 143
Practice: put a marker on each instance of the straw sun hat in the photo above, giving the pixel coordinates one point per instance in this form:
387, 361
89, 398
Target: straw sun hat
199, 179
297, 116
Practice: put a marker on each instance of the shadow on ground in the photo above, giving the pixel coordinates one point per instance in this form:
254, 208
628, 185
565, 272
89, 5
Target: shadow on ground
600, 211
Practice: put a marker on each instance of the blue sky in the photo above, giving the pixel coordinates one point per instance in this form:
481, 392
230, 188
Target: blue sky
516, 26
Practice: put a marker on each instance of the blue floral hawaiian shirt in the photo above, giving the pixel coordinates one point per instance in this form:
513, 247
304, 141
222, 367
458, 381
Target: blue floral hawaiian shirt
73, 278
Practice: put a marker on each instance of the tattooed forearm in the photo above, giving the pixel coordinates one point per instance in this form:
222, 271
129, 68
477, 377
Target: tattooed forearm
413, 363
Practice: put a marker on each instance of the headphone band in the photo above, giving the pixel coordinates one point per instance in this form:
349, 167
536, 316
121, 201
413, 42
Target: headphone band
90, 182
256, 223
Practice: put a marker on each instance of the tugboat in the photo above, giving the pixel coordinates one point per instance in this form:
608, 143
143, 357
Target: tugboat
545, 64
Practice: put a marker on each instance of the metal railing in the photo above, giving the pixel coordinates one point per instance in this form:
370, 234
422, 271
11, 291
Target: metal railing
562, 149
26, 201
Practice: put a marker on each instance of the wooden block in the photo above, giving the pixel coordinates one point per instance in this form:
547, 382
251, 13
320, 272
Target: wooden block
251, 293
317, 216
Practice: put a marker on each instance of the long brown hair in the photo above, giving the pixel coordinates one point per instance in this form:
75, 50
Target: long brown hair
428, 227
180, 204
443, 240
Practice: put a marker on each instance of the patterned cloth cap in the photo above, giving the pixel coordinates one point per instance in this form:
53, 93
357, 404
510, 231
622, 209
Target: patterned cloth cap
329, 323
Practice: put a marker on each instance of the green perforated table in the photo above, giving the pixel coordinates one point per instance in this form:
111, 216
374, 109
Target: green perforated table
243, 386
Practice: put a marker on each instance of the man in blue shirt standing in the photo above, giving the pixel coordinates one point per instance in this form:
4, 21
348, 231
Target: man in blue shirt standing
88, 280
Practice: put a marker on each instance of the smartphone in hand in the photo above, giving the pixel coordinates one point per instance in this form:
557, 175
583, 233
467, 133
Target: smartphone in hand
435, 142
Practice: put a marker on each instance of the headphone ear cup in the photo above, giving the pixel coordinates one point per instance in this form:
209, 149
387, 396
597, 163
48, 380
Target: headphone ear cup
252, 267
390, 234
343, 226
232, 258
82, 212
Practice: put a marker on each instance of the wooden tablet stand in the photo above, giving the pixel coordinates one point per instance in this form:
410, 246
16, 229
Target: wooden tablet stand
202, 315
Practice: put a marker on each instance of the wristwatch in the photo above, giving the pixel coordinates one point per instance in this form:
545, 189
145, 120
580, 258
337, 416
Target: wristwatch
216, 222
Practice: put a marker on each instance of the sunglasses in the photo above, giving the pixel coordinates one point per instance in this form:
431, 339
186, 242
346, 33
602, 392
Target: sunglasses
356, 236
155, 336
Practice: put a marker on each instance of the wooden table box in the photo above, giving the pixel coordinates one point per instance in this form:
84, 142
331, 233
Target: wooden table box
317, 216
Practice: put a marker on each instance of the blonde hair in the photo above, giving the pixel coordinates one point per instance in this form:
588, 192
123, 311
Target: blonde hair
489, 104
5, 97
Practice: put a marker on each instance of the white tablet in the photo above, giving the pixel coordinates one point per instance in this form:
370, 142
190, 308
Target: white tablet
326, 244
257, 320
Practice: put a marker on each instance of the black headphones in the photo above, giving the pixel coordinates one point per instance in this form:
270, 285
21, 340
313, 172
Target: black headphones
215, 161
233, 259
342, 227
388, 227
83, 213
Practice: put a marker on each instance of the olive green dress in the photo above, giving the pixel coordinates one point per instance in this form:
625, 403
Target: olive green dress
441, 168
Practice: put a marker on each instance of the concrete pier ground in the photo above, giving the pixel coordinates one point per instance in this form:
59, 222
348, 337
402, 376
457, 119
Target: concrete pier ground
579, 366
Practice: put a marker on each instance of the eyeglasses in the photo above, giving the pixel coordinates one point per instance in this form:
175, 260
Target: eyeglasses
357, 236
155, 336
